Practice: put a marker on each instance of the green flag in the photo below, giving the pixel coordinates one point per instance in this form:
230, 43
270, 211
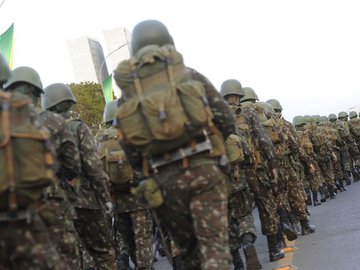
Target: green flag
6, 45
108, 89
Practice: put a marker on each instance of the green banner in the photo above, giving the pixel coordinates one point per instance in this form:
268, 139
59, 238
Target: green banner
108, 89
6, 45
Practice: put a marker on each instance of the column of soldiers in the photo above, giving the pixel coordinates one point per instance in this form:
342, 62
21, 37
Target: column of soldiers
191, 162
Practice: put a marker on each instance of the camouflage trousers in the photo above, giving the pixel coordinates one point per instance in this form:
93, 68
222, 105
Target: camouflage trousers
316, 179
264, 198
194, 212
241, 220
26, 245
346, 165
337, 169
93, 229
294, 189
55, 214
327, 171
133, 235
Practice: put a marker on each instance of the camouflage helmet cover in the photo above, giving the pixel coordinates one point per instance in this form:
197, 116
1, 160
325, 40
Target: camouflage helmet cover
299, 120
342, 114
332, 117
324, 119
110, 111
27, 75
353, 114
249, 94
149, 32
56, 93
275, 104
231, 87
268, 109
4, 70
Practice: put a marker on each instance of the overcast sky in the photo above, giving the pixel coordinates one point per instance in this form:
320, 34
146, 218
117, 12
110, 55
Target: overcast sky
304, 53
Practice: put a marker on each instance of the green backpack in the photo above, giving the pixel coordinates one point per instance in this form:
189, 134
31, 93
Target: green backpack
163, 107
113, 157
26, 160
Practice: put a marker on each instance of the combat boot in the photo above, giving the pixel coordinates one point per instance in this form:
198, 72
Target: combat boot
237, 261
322, 194
176, 263
326, 191
306, 228
355, 175
315, 198
291, 234
308, 196
123, 262
341, 184
331, 191
252, 260
347, 178
274, 253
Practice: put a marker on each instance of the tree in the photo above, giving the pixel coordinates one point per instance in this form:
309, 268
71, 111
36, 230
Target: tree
90, 104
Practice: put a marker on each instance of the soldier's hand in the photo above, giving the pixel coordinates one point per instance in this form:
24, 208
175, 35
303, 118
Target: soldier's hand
312, 169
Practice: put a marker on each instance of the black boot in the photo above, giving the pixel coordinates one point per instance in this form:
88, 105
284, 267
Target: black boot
306, 228
291, 235
355, 175
237, 261
274, 253
284, 226
347, 178
123, 262
341, 184
322, 194
331, 191
252, 260
315, 198
326, 191
308, 196
176, 263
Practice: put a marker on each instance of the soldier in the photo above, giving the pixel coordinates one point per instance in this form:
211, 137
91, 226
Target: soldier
349, 150
25, 171
337, 161
242, 230
345, 134
186, 171
56, 212
132, 225
92, 201
294, 185
354, 125
261, 178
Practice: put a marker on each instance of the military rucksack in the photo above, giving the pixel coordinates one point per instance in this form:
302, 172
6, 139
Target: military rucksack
26, 160
113, 157
163, 108
234, 149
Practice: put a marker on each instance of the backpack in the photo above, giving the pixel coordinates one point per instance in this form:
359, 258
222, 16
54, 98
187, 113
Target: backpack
113, 157
26, 160
163, 109
234, 149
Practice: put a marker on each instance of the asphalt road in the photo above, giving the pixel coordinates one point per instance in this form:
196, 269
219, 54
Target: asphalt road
334, 246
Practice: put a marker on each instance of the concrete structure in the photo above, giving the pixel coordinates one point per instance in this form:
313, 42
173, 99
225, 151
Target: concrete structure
117, 42
87, 56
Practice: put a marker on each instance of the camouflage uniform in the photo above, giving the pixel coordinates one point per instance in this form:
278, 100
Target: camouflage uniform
90, 199
24, 240
133, 223
354, 125
194, 212
57, 212
259, 180
307, 147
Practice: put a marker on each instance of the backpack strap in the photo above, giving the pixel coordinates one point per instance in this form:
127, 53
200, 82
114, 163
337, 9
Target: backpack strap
5, 111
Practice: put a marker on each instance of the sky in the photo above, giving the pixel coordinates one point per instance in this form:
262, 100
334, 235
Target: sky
304, 53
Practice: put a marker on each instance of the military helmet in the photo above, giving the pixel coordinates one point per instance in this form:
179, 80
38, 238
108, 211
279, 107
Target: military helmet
332, 117
299, 120
249, 94
342, 114
149, 32
56, 93
316, 118
27, 75
4, 70
275, 104
110, 111
268, 109
353, 114
324, 119
231, 87
307, 119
